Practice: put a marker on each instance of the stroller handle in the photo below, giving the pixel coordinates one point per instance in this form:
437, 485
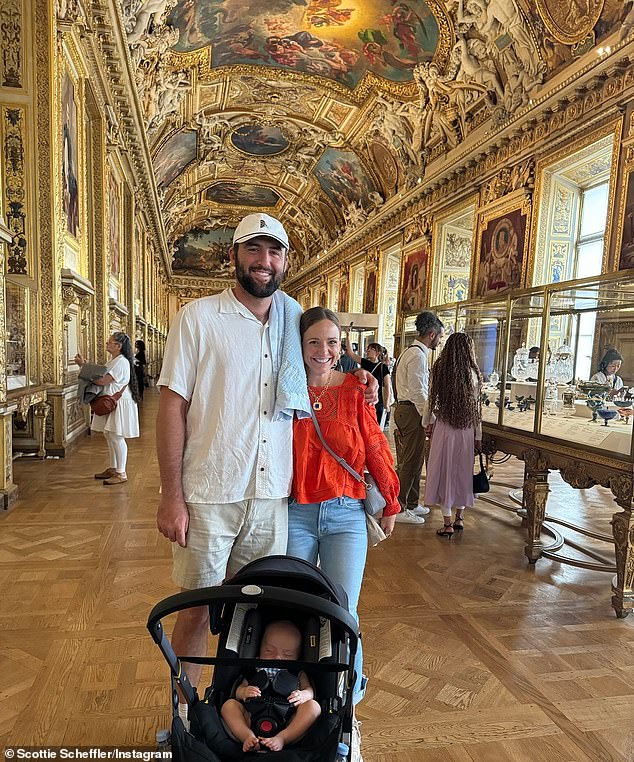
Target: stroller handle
207, 596
275, 596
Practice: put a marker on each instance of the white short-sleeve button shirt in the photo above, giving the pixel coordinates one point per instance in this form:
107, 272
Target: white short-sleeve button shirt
218, 358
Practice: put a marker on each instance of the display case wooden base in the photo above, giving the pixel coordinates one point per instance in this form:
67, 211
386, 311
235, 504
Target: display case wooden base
29, 423
581, 470
8, 490
67, 421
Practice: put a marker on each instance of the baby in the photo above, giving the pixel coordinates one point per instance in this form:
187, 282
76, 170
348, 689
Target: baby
281, 640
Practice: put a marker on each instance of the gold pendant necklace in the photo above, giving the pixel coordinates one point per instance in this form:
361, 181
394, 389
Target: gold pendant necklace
317, 406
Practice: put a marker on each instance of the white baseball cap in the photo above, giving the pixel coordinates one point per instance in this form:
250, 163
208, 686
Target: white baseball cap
254, 225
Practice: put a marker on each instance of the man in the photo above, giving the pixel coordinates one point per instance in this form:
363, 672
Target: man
346, 362
224, 440
411, 383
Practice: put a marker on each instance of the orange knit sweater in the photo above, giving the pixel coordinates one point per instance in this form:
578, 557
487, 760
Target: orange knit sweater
349, 426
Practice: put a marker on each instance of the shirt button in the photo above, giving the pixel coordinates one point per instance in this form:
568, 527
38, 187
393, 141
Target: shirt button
266, 355
265, 412
264, 441
265, 384
261, 469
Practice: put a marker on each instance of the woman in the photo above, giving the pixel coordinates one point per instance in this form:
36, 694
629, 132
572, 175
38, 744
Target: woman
608, 368
139, 366
326, 516
123, 422
454, 423
375, 363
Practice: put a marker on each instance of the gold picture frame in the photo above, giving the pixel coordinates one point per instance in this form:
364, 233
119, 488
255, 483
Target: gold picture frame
414, 285
500, 262
624, 250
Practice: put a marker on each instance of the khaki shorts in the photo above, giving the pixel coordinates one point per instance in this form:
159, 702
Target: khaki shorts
223, 537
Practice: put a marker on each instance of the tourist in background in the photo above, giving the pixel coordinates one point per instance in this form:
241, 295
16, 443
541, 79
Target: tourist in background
608, 370
123, 422
375, 362
139, 365
411, 388
454, 423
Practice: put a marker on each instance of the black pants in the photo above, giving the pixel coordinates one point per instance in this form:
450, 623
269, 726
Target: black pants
140, 379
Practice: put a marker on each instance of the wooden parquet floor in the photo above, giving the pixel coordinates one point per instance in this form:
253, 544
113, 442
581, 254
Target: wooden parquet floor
473, 655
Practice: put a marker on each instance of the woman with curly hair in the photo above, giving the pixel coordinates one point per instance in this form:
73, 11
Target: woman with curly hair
454, 423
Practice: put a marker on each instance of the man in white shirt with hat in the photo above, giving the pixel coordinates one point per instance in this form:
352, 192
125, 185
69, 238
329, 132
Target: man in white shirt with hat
224, 443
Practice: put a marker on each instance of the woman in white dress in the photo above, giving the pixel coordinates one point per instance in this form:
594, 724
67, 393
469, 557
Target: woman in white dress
123, 422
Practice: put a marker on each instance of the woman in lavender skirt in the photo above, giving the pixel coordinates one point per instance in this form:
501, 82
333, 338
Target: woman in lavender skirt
454, 423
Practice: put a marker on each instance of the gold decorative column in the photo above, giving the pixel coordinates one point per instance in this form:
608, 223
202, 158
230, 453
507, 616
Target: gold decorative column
623, 532
536, 491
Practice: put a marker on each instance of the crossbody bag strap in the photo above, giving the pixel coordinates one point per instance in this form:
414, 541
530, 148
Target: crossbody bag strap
338, 458
117, 395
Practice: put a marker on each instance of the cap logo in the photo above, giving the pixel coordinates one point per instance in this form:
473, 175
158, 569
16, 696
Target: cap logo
262, 223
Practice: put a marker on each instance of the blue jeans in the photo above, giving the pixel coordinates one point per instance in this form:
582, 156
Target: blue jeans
335, 532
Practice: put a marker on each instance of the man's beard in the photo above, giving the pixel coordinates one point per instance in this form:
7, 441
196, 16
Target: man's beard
255, 288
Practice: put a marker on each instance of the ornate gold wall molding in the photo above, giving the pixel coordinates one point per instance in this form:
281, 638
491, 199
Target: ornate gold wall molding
569, 22
551, 157
107, 50
11, 41
580, 103
15, 191
50, 324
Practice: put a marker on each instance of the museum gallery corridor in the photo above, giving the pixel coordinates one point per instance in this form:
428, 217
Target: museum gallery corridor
473, 656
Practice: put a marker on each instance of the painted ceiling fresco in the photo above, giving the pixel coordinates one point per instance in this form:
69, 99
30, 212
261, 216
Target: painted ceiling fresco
343, 178
320, 111
202, 253
259, 140
338, 39
242, 194
173, 156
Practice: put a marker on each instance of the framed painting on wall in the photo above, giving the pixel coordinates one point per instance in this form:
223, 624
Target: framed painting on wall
114, 223
626, 248
501, 254
414, 280
369, 293
343, 296
70, 155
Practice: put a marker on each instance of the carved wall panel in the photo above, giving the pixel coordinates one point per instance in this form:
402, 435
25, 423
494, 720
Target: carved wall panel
15, 193
11, 41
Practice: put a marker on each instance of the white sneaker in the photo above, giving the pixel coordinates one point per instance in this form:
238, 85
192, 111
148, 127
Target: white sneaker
409, 517
356, 741
421, 510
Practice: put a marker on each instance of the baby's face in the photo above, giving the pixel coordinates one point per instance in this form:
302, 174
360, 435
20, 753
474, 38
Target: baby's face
280, 643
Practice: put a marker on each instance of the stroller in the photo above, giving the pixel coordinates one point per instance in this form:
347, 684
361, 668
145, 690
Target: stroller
263, 591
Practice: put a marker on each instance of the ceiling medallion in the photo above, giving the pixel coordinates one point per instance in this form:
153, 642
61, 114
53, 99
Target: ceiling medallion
259, 140
570, 22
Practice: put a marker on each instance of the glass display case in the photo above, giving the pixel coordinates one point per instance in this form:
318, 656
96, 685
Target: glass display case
16, 338
540, 354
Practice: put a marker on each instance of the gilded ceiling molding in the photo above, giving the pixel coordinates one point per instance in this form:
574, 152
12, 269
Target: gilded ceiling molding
200, 60
50, 326
586, 105
15, 191
11, 37
109, 55
570, 23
